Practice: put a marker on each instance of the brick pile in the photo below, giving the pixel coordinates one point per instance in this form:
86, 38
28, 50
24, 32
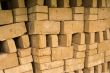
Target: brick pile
65, 36
15, 50
69, 36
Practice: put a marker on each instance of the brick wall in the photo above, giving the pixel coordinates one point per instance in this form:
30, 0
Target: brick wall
54, 36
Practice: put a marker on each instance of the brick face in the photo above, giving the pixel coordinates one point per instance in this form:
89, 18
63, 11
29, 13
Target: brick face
6, 62
6, 16
44, 27
60, 14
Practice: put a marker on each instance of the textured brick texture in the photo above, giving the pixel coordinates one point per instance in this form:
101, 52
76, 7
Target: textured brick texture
54, 36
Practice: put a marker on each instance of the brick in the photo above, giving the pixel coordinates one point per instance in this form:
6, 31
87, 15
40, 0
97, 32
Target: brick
94, 60
5, 30
107, 53
54, 70
56, 14
24, 52
99, 37
18, 3
102, 13
108, 3
78, 17
19, 11
9, 46
63, 3
41, 52
78, 26
79, 38
1, 71
23, 41
74, 64
107, 59
44, 27
20, 18
79, 2
78, 10
61, 53
91, 52
56, 54
31, 3
90, 26
91, 17
104, 46
74, 61
43, 59
12, 70
78, 47
25, 67
65, 40
106, 34
93, 26
70, 27
91, 11
25, 60
6, 16
91, 46
66, 27
5, 62
107, 25
67, 52
51, 3
38, 41
94, 3
79, 55
37, 8
90, 38
38, 16
89, 70
51, 65
98, 68
52, 40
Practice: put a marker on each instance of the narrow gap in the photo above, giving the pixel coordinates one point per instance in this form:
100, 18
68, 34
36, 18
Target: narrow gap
1, 47
6, 5
46, 2
87, 3
16, 42
47, 41
26, 3
60, 3
99, 3
72, 3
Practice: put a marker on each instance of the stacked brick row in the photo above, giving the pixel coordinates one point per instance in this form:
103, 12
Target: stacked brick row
15, 50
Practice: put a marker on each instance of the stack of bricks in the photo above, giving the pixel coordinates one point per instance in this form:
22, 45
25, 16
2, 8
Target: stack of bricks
69, 36
97, 37
15, 50
65, 36
57, 37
